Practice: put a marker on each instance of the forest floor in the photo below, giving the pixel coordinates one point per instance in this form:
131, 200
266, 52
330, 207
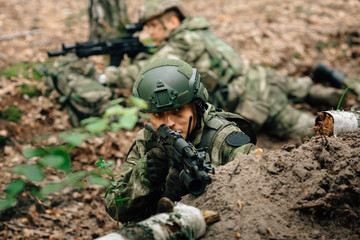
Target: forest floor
317, 180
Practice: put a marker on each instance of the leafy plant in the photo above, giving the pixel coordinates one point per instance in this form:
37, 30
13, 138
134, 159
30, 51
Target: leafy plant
58, 157
116, 117
115, 187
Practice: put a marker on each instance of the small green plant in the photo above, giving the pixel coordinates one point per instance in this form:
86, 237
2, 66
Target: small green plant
341, 99
13, 113
30, 90
114, 189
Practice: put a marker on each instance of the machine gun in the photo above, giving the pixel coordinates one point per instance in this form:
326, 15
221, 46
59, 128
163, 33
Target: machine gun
116, 47
183, 156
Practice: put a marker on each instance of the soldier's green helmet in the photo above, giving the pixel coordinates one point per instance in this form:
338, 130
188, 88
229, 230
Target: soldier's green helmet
155, 8
167, 84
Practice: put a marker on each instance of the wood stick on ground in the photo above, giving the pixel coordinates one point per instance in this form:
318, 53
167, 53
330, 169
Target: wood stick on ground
308, 206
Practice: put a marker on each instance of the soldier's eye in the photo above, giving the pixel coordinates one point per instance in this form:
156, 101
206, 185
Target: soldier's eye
179, 109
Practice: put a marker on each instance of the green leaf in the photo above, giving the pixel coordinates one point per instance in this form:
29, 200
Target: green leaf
53, 161
59, 159
341, 99
99, 181
75, 176
138, 102
80, 184
51, 188
15, 187
120, 201
100, 162
90, 120
35, 152
31, 172
97, 127
128, 121
107, 192
74, 139
5, 203
116, 101
115, 110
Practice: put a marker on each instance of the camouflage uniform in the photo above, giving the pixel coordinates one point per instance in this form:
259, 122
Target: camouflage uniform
132, 180
82, 94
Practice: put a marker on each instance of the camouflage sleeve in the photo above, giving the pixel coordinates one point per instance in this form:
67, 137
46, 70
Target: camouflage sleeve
131, 197
124, 76
223, 152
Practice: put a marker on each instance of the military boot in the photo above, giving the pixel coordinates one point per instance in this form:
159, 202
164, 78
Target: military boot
320, 95
322, 73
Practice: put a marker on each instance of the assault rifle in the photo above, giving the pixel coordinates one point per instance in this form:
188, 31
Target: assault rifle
116, 47
184, 157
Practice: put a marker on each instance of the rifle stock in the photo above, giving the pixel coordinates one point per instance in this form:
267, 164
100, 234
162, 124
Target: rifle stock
190, 162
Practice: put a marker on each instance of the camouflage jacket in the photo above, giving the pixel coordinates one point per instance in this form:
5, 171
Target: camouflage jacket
142, 195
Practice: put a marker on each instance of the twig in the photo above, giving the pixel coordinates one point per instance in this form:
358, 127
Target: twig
307, 206
20, 34
233, 172
16, 143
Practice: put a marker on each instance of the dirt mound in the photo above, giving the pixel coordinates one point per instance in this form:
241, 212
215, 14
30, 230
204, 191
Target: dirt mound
306, 192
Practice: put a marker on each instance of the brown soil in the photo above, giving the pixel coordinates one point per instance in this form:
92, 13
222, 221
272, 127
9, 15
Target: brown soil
318, 180
305, 192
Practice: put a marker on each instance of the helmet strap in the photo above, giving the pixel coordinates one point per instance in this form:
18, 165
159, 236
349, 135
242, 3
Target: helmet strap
189, 127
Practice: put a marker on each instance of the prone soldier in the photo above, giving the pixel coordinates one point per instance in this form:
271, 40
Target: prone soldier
176, 98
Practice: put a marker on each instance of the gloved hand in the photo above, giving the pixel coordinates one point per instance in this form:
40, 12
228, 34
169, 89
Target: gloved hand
157, 165
174, 188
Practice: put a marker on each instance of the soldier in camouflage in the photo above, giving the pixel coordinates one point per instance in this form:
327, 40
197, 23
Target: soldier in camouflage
176, 98
260, 94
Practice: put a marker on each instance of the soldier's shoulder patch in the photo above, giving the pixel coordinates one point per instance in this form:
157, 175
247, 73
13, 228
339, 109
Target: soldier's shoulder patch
237, 139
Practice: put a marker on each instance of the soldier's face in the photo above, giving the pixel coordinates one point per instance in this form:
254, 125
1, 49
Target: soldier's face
177, 120
156, 30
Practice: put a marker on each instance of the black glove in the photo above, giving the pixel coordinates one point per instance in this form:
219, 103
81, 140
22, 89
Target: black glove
157, 165
174, 188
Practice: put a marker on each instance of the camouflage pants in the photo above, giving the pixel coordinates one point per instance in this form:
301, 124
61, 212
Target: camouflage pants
76, 80
263, 96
